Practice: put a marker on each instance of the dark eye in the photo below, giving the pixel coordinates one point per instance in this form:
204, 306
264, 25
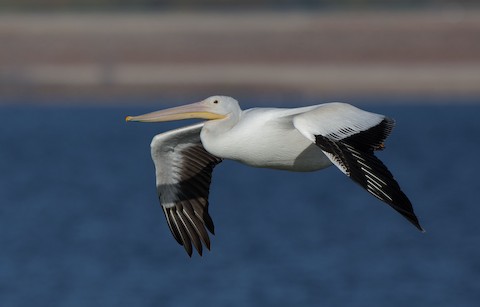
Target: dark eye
215, 102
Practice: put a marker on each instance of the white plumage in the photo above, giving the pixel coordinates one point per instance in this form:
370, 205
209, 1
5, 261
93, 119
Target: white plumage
299, 139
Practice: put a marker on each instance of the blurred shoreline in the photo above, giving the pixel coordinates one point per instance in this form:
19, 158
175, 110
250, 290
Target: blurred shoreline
314, 55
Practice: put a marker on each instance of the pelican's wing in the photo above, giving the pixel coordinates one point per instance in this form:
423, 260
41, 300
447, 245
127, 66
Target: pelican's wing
348, 136
183, 171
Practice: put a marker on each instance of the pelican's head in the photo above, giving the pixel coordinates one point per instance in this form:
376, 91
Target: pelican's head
212, 108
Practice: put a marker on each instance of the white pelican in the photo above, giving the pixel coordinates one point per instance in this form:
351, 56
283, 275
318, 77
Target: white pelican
299, 139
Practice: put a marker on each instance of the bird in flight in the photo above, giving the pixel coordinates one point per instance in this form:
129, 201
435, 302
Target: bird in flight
298, 139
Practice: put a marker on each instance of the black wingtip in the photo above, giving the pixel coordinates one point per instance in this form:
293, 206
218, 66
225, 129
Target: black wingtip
189, 252
208, 222
354, 155
405, 208
199, 250
422, 230
409, 215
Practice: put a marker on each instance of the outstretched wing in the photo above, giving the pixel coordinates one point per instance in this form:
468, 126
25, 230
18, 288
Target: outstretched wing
349, 136
183, 171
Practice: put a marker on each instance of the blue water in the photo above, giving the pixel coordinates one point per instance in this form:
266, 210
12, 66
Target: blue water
80, 224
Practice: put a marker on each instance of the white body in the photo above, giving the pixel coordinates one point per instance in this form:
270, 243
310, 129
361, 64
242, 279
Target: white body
273, 142
299, 139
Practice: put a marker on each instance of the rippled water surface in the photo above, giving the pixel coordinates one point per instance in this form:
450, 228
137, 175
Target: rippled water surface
80, 223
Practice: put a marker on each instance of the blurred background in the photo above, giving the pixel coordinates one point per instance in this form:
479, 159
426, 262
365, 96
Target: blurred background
295, 49
80, 223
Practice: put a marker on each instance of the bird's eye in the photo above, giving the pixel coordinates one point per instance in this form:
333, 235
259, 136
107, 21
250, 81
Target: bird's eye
215, 101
